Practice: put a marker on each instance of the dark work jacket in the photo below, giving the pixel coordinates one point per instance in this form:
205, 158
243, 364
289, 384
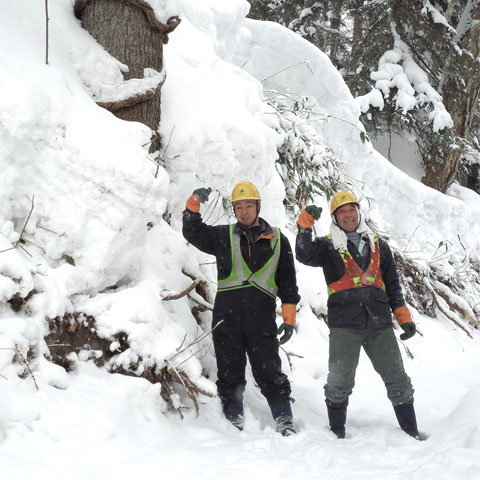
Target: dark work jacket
363, 307
215, 240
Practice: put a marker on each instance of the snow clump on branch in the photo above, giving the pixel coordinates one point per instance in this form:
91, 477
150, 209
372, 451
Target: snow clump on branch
398, 70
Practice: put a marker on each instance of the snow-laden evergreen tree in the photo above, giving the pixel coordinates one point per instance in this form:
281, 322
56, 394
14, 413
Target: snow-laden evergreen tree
322, 23
414, 68
416, 73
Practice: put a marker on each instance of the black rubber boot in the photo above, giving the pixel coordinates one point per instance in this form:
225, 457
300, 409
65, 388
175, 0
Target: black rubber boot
407, 419
233, 412
337, 417
282, 414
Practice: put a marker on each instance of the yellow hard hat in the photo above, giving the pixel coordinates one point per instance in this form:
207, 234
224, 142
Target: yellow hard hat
342, 198
245, 191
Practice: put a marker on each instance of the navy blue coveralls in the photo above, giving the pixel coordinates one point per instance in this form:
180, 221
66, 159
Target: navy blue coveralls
248, 314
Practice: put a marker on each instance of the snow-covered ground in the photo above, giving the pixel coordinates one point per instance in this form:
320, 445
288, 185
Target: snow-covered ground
90, 189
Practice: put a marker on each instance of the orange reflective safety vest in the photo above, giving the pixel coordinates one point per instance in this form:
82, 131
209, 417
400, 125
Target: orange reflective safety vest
354, 276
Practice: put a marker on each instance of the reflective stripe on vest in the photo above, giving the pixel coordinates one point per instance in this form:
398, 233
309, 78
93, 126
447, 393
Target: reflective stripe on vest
354, 276
241, 276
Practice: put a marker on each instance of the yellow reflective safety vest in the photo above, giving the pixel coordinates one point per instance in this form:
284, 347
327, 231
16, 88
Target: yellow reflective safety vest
242, 277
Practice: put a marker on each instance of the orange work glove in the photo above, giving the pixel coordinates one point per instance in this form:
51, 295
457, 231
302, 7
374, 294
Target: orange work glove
404, 319
200, 195
308, 216
305, 220
402, 315
193, 203
289, 314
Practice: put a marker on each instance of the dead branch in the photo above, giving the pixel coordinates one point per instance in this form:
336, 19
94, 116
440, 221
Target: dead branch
194, 354
196, 340
164, 154
167, 392
407, 350
77, 331
196, 310
458, 324
454, 306
305, 62
202, 303
25, 361
192, 389
20, 238
183, 341
51, 231
26, 222
289, 356
184, 292
46, 31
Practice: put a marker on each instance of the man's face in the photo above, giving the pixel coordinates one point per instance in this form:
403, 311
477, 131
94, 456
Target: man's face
246, 212
347, 217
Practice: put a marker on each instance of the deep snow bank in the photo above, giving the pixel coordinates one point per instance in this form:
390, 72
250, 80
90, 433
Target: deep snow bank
415, 217
95, 190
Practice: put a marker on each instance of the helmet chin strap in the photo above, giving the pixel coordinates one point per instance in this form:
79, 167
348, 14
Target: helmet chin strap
359, 217
256, 216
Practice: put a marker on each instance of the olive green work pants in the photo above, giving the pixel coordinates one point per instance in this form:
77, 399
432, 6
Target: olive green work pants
381, 347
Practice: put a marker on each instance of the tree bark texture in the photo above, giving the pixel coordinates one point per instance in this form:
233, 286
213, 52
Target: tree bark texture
454, 70
128, 30
335, 38
460, 92
357, 28
258, 10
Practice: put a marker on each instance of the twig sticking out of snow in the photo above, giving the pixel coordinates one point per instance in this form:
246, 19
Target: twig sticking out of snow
192, 389
289, 356
46, 31
25, 361
183, 292
20, 238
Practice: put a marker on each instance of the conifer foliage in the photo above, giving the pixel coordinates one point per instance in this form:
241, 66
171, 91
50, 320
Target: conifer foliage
413, 66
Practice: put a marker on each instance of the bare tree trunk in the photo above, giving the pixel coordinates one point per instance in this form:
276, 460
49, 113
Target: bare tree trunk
335, 38
461, 90
258, 10
357, 28
129, 32
46, 31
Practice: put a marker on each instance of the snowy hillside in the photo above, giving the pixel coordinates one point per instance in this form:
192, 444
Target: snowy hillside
84, 234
